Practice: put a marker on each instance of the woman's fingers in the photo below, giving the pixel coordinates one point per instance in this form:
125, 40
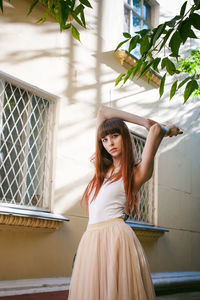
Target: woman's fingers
174, 130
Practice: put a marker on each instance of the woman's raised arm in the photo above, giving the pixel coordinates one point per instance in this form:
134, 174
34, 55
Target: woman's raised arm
144, 170
105, 113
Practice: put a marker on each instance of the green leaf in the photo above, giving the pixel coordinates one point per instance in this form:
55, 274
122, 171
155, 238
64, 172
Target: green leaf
183, 82
137, 67
190, 87
162, 84
79, 9
63, 13
83, 18
133, 43
86, 3
72, 3
195, 20
170, 67
175, 43
33, 4
119, 78
120, 44
169, 31
149, 76
144, 45
163, 63
172, 22
157, 33
145, 68
65, 27
75, 33
182, 11
173, 89
1, 5
197, 3
192, 34
76, 18
156, 63
143, 32
126, 35
128, 74
184, 28
42, 20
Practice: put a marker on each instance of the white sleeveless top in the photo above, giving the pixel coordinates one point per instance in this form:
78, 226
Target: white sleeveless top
110, 202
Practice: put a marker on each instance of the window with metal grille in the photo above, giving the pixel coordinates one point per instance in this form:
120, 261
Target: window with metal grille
136, 17
25, 146
145, 201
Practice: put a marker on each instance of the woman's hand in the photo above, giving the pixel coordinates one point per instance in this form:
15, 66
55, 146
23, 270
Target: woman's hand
149, 123
173, 130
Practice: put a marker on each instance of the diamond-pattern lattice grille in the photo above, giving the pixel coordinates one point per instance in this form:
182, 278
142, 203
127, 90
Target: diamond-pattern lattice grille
24, 122
145, 210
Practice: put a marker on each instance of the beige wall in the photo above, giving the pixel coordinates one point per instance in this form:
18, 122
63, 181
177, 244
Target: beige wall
83, 76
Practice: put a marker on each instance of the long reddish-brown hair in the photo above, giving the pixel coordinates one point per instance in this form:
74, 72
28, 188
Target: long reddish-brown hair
103, 161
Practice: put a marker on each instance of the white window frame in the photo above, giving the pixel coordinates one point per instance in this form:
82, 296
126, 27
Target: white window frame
152, 22
50, 145
131, 9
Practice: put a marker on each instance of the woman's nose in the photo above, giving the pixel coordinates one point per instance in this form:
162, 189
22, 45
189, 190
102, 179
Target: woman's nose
110, 141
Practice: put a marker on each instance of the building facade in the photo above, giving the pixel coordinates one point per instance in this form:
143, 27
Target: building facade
51, 87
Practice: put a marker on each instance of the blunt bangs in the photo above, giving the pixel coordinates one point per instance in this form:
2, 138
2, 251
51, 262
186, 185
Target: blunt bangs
110, 126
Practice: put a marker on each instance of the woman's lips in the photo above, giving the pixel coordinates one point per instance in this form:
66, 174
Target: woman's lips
113, 149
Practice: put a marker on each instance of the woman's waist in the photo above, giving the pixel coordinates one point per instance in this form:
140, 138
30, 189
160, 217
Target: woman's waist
105, 223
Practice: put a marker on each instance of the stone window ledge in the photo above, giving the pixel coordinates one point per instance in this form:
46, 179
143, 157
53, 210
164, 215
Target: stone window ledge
30, 218
147, 230
127, 60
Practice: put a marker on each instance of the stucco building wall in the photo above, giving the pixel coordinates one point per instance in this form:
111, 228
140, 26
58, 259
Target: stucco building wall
83, 75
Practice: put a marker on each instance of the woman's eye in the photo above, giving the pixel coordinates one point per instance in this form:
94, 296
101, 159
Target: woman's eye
104, 140
115, 135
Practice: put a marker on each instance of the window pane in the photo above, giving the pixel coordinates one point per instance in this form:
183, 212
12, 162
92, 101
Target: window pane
145, 26
145, 12
23, 142
136, 23
126, 20
137, 6
145, 211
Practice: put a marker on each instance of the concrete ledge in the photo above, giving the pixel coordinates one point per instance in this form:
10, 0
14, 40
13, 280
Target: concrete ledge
143, 229
33, 286
174, 282
27, 218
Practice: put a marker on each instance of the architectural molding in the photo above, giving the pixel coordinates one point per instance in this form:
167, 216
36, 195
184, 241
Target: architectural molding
33, 286
18, 217
29, 222
146, 230
171, 282
127, 60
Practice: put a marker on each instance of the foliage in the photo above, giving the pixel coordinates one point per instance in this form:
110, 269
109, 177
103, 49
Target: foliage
64, 11
191, 66
171, 34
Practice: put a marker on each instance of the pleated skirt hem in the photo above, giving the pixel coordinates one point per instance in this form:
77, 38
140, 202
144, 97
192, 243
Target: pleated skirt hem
110, 265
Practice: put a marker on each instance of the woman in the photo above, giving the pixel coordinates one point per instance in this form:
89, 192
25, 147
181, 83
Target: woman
110, 262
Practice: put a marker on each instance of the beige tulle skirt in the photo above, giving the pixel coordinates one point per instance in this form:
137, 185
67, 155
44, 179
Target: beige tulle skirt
110, 265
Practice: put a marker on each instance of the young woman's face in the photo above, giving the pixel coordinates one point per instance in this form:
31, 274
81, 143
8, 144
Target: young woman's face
113, 144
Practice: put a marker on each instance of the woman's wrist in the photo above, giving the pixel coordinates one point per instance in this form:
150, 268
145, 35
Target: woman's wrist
164, 129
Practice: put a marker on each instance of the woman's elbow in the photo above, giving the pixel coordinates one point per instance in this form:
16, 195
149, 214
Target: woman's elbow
156, 128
